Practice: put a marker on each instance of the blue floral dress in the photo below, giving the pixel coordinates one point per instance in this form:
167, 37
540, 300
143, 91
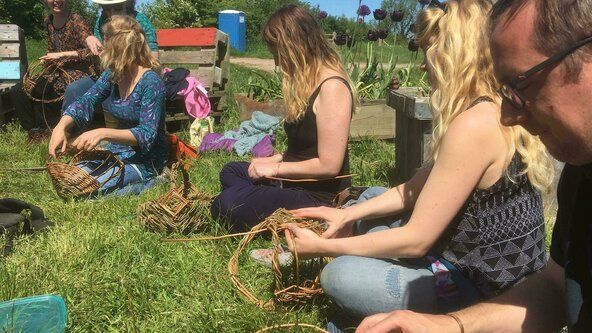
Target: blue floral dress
142, 113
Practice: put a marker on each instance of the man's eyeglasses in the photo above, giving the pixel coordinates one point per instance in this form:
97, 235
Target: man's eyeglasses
510, 91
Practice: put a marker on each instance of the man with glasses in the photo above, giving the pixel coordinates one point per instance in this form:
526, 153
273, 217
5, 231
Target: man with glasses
542, 51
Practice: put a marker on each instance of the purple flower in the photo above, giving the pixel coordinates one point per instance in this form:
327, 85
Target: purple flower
343, 39
397, 16
364, 10
372, 35
380, 14
322, 15
413, 46
383, 33
360, 20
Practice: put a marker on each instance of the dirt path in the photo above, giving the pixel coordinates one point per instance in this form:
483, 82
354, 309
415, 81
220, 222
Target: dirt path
268, 65
263, 64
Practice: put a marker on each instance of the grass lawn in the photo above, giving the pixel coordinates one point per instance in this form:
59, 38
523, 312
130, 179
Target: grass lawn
116, 276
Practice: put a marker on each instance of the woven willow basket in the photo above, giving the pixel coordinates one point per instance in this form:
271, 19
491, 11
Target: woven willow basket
39, 70
71, 181
182, 209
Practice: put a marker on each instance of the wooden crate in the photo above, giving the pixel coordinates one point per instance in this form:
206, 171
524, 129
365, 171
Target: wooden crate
205, 51
373, 119
13, 64
413, 128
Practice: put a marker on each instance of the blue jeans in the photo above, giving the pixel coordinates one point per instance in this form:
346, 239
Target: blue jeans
128, 182
364, 286
78, 88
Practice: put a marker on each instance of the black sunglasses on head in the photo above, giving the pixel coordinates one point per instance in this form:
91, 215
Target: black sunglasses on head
510, 91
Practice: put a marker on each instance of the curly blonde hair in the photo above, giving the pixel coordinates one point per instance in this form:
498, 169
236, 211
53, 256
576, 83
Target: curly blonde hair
302, 51
125, 47
456, 45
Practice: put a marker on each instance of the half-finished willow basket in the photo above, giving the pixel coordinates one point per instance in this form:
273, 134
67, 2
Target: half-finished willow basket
39, 70
71, 181
182, 209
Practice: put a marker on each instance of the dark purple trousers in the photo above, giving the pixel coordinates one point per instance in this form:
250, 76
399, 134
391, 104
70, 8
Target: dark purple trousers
244, 203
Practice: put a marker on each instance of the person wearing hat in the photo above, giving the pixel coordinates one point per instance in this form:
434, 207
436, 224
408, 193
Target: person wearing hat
95, 42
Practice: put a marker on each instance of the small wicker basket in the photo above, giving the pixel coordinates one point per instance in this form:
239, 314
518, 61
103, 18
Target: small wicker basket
181, 209
40, 70
71, 181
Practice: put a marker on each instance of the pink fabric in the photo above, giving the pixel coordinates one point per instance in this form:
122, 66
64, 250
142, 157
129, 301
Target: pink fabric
197, 103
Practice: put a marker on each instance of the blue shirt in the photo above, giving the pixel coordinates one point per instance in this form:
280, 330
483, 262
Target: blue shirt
142, 113
149, 30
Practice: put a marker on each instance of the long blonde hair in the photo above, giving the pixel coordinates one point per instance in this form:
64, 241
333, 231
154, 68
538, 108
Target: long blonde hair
302, 51
125, 47
457, 53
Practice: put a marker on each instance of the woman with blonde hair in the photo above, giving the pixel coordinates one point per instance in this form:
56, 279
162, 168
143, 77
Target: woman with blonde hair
474, 225
136, 94
319, 102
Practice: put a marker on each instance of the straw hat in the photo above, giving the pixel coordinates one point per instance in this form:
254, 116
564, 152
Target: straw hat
108, 2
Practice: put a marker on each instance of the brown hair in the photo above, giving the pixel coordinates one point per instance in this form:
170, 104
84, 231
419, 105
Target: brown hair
302, 51
125, 46
558, 25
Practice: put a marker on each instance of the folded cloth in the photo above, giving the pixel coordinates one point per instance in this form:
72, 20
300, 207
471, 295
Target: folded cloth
216, 141
264, 148
252, 132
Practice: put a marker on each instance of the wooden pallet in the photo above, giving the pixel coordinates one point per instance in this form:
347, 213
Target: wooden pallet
206, 53
13, 64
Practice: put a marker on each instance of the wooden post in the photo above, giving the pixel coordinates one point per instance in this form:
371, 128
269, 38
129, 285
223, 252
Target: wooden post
413, 128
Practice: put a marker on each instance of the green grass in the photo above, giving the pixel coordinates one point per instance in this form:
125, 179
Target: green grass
35, 49
116, 276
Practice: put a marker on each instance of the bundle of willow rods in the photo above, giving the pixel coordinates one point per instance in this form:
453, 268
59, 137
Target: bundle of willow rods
71, 181
181, 209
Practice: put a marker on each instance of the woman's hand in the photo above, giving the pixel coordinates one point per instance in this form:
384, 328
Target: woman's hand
58, 140
88, 141
261, 170
304, 241
339, 224
94, 45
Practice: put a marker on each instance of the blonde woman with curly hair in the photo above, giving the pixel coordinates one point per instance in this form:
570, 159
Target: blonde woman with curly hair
136, 100
319, 102
474, 223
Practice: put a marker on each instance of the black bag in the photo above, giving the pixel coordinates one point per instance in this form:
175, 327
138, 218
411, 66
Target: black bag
174, 81
14, 222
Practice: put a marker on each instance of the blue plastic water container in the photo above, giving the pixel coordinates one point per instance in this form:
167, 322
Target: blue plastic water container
36, 314
234, 23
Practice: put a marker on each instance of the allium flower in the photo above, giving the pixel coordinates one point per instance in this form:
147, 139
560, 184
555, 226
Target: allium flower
322, 15
397, 16
413, 46
380, 14
360, 20
383, 33
372, 35
364, 10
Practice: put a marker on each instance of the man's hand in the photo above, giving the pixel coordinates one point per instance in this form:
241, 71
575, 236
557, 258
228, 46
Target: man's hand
408, 322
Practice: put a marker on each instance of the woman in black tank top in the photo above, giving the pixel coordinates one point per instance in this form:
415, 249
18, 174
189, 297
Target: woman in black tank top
319, 103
